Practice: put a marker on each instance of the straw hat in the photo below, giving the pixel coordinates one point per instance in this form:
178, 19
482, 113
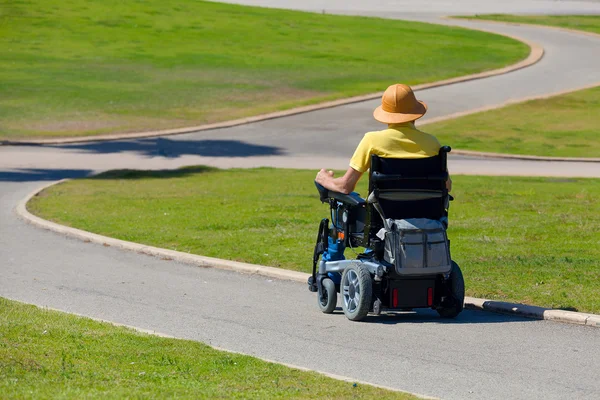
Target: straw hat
398, 105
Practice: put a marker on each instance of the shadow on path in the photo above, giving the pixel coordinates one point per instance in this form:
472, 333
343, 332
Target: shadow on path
171, 148
38, 174
34, 174
426, 316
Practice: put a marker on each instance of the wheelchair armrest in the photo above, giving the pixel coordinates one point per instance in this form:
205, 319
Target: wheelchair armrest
346, 198
326, 194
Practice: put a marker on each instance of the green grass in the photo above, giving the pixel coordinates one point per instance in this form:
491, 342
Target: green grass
47, 354
83, 67
560, 126
530, 240
589, 23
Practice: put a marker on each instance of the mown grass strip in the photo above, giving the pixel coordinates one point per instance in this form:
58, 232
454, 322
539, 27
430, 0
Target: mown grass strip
82, 67
529, 240
560, 126
47, 354
588, 23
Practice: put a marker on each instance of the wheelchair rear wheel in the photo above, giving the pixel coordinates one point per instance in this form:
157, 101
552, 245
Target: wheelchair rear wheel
327, 296
457, 288
356, 289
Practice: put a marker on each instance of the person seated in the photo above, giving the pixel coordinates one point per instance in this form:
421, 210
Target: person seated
399, 109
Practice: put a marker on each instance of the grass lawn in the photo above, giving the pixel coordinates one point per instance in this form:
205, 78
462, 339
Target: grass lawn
47, 354
531, 240
560, 126
83, 67
589, 23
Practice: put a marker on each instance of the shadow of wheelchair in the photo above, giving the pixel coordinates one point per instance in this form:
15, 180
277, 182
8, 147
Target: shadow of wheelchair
428, 316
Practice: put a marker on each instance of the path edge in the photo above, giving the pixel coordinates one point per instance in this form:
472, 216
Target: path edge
558, 28
522, 310
151, 332
536, 53
510, 103
168, 336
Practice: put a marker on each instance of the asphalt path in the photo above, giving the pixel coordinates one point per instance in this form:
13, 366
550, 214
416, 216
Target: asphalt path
479, 355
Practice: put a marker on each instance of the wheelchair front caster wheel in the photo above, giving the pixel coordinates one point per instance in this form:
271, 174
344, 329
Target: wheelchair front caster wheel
357, 289
327, 296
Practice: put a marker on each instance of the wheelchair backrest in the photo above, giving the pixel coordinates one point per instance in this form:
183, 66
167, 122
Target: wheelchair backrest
408, 188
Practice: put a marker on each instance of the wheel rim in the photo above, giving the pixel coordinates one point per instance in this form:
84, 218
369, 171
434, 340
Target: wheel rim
351, 290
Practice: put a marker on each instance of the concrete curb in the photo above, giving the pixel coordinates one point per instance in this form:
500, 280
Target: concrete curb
278, 273
523, 310
201, 261
536, 53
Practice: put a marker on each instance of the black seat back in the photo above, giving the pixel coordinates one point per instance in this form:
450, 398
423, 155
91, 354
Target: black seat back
408, 188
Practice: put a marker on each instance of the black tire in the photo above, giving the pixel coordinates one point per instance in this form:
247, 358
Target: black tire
356, 290
457, 287
327, 297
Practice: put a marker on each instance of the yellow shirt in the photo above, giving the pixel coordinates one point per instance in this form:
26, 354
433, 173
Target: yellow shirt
398, 141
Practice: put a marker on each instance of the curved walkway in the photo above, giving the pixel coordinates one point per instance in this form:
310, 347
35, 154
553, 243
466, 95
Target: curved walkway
480, 355
535, 55
327, 137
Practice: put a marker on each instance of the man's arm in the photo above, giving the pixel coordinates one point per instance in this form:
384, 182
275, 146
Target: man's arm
344, 184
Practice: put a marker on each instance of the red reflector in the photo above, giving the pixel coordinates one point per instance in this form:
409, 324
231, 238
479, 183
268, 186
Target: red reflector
430, 296
395, 297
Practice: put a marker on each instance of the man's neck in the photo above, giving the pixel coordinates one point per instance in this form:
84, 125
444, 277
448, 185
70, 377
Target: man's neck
403, 124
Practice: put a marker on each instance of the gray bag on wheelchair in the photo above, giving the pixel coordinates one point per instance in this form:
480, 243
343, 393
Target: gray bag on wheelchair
416, 246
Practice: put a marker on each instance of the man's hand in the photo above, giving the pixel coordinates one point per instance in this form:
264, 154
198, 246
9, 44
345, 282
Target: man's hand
323, 176
344, 184
449, 184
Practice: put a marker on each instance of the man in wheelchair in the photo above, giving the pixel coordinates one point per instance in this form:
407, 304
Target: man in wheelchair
402, 223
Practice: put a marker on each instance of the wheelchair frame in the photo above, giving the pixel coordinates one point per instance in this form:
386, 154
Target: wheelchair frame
369, 283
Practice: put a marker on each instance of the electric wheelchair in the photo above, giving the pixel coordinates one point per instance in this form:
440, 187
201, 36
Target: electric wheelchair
402, 226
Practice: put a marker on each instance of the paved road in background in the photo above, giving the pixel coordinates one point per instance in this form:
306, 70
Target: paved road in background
479, 355
328, 137
405, 9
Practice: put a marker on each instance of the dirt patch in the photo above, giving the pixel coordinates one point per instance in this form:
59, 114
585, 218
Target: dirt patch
240, 104
87, 127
